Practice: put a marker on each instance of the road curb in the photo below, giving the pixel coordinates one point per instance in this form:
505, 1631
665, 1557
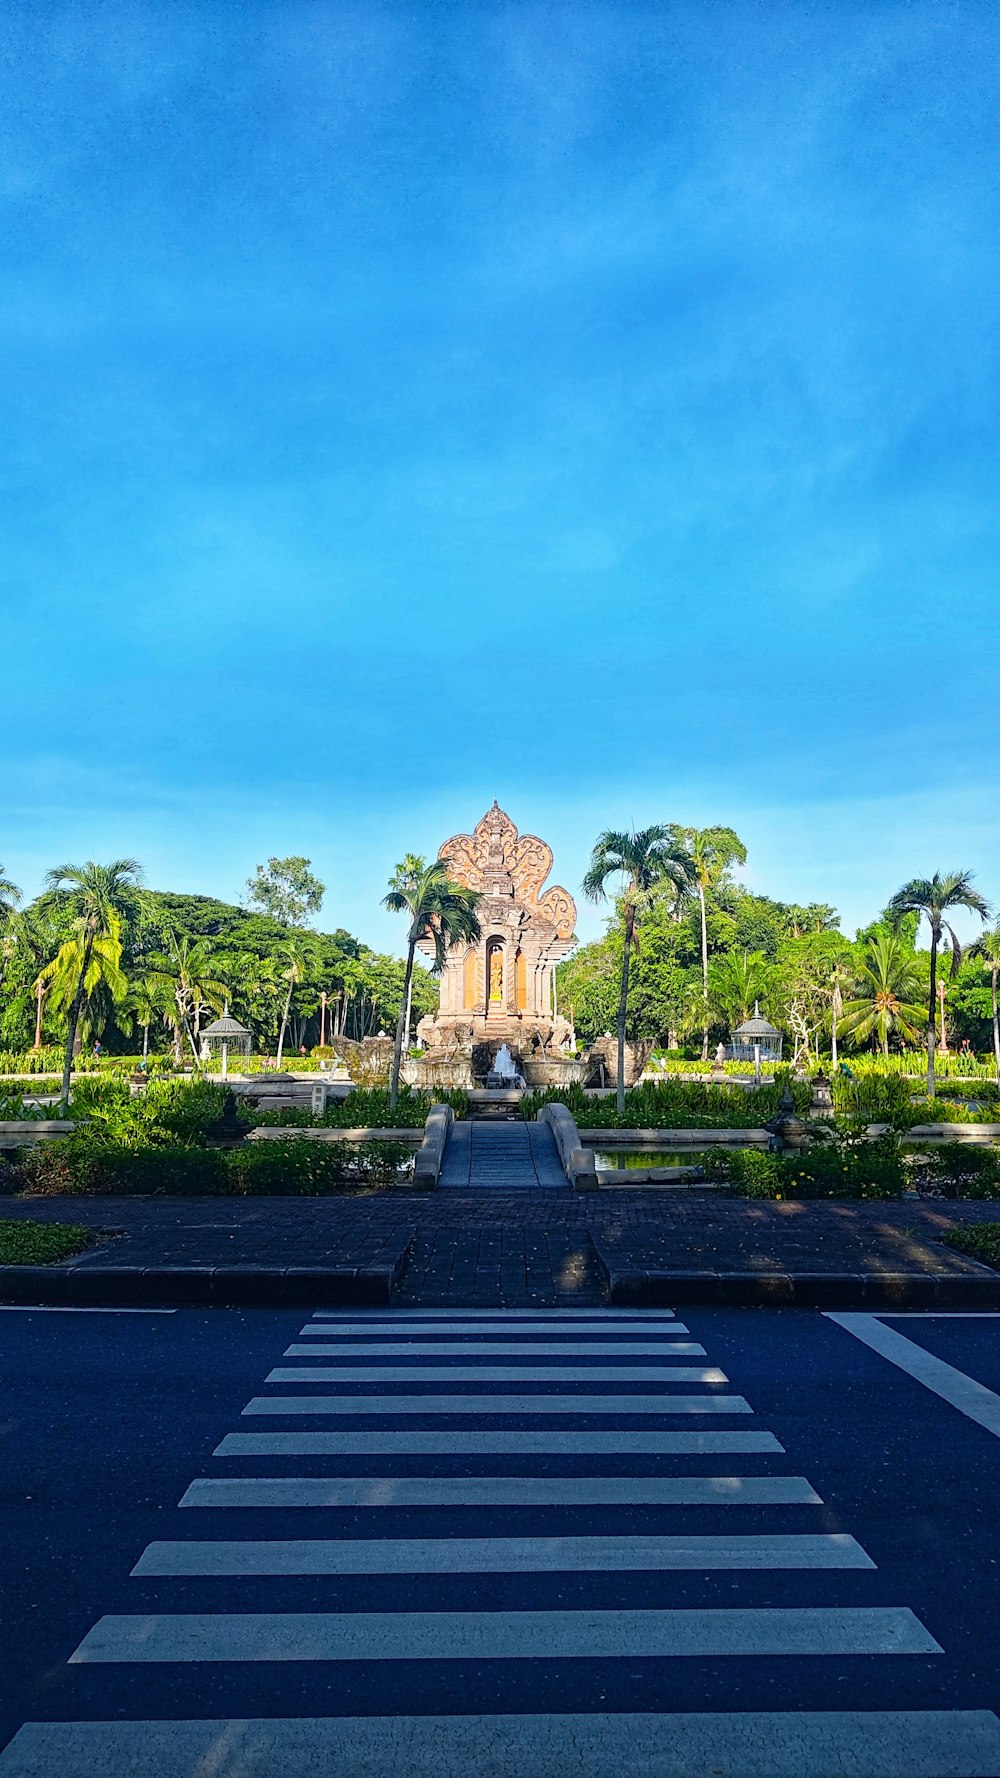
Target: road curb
202, 1286
630, 1287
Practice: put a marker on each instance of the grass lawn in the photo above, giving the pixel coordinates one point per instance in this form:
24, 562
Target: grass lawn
979, 1240
41, 1243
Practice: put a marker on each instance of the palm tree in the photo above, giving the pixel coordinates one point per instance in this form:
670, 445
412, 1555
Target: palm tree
644, 859
710, 851
840, 977
187, 971
933, 897
102, 978
34, 938
10, 896
738, 981
441, 911
295, 956
886, 1001
819, 916
987, 950
149, 996
96, 895
403, 878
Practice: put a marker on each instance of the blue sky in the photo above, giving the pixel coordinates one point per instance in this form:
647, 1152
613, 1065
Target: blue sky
591, 406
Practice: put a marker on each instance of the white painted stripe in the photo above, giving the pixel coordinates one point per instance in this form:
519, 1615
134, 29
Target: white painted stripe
500, 1555
730, 1744
490, 1349
404, 1317
494, 1373
972, 1399
328, 1330
505, 1635
492, 1490
72, 1309
939, 1315
661, 1405
495, 1443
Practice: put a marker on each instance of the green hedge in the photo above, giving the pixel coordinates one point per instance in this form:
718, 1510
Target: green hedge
671, 1105
77, 1167
847, 1165
366, 1108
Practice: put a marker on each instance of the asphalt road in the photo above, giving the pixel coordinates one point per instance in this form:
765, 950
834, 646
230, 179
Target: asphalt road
730, 1544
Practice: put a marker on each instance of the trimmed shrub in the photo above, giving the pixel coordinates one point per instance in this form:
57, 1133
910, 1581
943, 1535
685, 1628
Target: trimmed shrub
366, 1108
672, 1105
76, 1168
291, 1168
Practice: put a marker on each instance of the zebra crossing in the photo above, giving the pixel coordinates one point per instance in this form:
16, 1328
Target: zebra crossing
543, 1564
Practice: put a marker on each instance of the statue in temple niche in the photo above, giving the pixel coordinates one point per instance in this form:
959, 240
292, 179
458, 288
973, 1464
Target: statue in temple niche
496, 974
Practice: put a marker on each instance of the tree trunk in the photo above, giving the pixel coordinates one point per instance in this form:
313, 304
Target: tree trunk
401, 1018
145, 1041
704, 972
409, 1010
931, 1014
835, 1011
284, 1019
74, 1018
996, 1020
189, 1035
39, 996
623, 1001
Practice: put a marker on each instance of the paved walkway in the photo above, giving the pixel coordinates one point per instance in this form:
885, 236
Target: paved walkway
508, 1546
501, 1156
534, 1247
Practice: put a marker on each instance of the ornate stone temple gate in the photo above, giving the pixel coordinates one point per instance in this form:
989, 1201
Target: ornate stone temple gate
502, 990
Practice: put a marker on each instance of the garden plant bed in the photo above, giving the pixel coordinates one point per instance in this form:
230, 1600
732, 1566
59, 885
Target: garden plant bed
979, 1240
25, 1243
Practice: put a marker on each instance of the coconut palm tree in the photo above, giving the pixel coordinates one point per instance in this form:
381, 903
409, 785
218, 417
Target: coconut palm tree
710, 852
887, 986
934, 897
187, 971
102, 978
441, 911
643, 859
96, 896
10, 897
149, 997
986, 950
32, 939
296, 954
403, 878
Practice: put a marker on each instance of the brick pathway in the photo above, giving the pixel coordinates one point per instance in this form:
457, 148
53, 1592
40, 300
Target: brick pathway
530, 1247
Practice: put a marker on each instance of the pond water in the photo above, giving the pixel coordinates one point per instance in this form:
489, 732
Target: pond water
621, 1159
